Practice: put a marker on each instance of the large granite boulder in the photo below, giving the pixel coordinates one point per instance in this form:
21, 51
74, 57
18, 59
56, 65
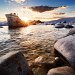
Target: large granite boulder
65, 70
13, 63
66, 47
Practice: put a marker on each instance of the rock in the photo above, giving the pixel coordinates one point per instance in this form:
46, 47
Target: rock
42, 64
41, 68
65, 48
69, 26
71, 32
39, 71
43, 61
59, 25
65, 70
39, 59
14, 63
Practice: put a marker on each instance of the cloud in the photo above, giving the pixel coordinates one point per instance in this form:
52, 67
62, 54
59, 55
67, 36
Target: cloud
60, 13
42, 8
18, 1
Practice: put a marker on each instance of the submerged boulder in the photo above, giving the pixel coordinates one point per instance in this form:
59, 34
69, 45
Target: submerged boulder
65, 70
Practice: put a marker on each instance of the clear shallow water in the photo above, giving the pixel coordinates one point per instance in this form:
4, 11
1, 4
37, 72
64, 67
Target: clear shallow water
4, 34
30, 38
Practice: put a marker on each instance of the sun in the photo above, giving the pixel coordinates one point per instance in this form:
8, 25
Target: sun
25, 19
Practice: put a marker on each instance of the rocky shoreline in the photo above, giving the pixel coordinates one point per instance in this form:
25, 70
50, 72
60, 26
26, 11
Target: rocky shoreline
37, 46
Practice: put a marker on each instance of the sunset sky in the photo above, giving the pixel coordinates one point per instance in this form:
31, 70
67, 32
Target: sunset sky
26, 9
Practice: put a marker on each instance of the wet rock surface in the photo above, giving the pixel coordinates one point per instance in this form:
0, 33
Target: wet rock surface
36, 43
66, 47
65, 70
71, 32
14, 63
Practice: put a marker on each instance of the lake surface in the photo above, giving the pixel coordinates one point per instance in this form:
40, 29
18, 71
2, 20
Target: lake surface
30, 38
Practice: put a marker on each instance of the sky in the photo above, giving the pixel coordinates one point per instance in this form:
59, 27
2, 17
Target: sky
30, 9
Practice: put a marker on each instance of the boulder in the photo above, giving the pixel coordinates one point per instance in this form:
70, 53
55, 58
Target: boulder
71, 32
13, 63
69, 26
65, 70
59, 25
66, 47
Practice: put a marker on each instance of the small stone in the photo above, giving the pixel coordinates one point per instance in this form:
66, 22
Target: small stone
39, 59
56, 58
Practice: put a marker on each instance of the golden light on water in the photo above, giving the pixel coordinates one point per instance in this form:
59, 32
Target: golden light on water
25, 19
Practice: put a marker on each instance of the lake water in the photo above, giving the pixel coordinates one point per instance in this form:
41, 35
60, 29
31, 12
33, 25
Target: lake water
30, 38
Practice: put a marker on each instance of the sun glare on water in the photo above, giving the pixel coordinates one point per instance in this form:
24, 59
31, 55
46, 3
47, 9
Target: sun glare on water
25, 19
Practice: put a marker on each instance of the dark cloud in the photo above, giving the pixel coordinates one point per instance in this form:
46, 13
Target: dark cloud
42, 8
